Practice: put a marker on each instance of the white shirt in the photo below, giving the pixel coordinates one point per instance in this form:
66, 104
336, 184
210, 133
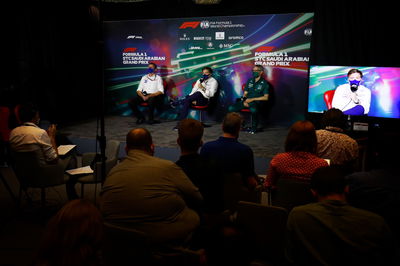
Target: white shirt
342, 100
210, 86
151, 84
29, 137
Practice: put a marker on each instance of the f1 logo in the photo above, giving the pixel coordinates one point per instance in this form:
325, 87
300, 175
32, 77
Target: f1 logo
130, 50
191, 24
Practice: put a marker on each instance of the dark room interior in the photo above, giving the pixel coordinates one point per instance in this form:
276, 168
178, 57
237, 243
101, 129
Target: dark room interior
53, 56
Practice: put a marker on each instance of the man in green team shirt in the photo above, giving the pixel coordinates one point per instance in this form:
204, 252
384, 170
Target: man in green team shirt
255, 93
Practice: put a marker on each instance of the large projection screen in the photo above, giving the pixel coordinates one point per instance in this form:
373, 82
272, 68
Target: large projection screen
231, 45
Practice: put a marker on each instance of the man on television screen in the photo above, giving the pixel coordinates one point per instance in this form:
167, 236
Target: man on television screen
352, 98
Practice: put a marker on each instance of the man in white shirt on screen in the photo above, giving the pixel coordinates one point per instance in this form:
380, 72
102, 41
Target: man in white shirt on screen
352, 98
150, 90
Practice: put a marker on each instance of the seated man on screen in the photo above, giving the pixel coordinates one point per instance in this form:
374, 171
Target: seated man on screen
255, 93
352, 98
150, 90
202, 91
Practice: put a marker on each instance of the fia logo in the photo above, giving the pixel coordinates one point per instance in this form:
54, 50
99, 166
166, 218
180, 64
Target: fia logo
204, 24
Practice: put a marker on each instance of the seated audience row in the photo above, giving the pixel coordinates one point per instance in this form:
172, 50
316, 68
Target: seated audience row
302, 147
328, 232
167, 201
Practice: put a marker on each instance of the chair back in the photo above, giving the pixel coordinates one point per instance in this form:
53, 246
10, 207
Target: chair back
4, 127
264, 228
291, 193
124, 246
112, 151
328, 97
235, 190
16, 114
31, 173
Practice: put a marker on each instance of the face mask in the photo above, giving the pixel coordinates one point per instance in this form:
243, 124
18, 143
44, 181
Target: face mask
354, 85
150, 70
256, 74
204, 77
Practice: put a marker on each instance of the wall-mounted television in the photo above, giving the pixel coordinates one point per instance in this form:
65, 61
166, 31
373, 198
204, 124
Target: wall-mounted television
375, 95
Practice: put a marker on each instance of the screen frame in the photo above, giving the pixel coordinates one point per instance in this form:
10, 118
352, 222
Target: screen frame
374, 122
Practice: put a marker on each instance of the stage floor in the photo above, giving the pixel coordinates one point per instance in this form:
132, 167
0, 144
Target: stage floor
265, 144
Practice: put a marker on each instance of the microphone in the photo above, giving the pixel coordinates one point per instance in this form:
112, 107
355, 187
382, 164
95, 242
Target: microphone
203, 78
354, 85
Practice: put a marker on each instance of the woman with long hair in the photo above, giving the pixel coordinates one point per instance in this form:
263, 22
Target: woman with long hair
299, 161
73, 236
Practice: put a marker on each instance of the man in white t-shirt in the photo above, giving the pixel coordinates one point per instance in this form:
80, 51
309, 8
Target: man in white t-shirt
202, 91
150, 90
352, 98
30, 137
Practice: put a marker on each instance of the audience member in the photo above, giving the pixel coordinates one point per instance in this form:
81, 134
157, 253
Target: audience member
333, 143
231, 155
72, 237
299, 160
378, 190
204, 173
149, 194
331, 232
30, 137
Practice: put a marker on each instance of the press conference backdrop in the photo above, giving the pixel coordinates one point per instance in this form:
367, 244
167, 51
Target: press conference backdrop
231, 45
